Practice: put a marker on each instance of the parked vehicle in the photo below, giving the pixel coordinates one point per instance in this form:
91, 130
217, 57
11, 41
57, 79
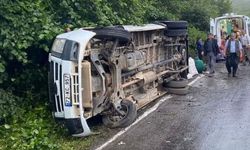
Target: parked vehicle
114, 71
224, 25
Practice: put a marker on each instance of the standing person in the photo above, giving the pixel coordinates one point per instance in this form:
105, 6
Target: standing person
223, 31
211, 50
199, 47
245, 40
222, 45
236, 28
238, 35
233, 51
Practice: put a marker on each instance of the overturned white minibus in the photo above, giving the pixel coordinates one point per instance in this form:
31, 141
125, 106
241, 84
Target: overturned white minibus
114, 71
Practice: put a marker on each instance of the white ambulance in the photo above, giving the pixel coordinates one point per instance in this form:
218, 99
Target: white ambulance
223, 26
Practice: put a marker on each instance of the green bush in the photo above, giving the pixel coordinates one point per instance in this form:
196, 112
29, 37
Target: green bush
194, 34
8, 106
25, 127
33, 128
33, 134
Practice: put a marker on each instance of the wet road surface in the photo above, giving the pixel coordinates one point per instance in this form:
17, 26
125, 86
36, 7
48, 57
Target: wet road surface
215, 115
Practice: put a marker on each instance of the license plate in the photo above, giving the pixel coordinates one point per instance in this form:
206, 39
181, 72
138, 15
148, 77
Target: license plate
67, 93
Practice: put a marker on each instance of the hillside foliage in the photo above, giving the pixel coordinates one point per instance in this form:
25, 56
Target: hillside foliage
241, 7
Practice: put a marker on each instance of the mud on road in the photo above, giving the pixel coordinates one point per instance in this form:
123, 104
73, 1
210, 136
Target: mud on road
215, 115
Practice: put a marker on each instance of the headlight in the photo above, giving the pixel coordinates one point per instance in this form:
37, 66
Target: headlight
67, 90
58, 45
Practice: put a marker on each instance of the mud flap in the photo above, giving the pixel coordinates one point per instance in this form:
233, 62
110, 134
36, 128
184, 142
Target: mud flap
86, 130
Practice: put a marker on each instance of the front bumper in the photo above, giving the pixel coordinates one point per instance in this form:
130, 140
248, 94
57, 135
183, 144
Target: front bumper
67, 110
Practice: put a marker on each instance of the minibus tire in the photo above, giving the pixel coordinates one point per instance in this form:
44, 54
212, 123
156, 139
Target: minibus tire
179, 91
177, 83
176, 24
112, 33
124, 122
177, 32
184, 74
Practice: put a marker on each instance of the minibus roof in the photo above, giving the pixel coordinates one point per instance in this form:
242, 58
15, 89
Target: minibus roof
229, 16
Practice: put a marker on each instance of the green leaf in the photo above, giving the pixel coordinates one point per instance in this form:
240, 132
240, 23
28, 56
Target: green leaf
41, 36
12, 138
36, 131
2, 68
6, 126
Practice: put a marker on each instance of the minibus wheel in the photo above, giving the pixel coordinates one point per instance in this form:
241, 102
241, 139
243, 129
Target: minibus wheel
112, 33
181, 83
179, 91
176, 24
184, 74
118, 120
177, 32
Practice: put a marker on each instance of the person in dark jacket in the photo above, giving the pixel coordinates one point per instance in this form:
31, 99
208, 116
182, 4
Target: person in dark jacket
211, 49
199, 48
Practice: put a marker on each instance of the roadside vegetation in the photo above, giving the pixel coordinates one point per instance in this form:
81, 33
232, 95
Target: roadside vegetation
241, 7
27, 31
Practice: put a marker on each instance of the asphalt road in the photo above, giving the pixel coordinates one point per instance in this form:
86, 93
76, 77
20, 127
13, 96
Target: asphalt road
215, 115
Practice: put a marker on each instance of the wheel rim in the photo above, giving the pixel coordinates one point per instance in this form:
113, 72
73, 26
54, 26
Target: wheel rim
116, 116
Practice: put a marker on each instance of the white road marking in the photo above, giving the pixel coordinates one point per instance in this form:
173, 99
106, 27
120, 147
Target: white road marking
196, 79
145, 114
